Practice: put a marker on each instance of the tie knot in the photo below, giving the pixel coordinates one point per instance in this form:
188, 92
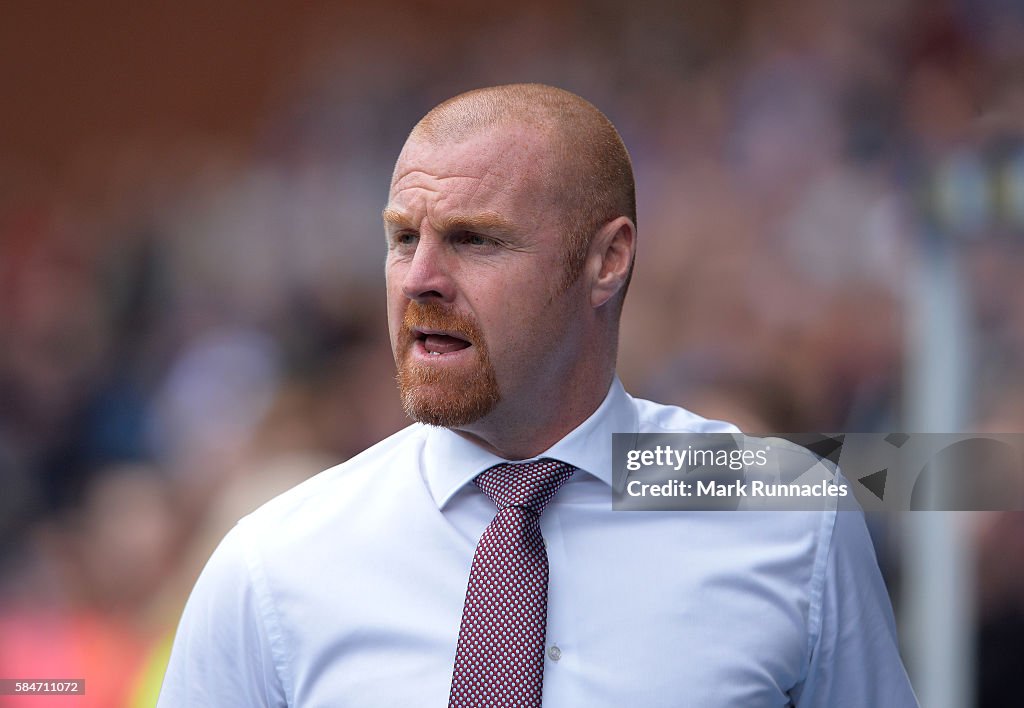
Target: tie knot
530, 485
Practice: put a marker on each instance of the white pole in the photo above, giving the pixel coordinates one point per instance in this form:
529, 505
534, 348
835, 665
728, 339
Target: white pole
938, 587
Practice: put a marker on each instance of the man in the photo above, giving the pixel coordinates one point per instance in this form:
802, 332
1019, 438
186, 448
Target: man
394, 580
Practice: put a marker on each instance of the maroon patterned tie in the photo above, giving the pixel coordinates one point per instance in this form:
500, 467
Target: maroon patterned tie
500, 659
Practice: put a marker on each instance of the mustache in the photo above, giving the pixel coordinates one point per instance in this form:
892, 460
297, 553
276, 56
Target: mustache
439, 316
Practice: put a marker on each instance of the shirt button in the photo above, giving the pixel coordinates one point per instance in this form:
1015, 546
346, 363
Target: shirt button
554, 653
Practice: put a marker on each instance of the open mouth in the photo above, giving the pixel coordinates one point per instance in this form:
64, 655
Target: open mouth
440, 343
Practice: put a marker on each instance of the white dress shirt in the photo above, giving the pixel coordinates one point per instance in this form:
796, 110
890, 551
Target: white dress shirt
348, 590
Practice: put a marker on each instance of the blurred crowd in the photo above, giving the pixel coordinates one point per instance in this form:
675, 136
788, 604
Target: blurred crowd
200, 324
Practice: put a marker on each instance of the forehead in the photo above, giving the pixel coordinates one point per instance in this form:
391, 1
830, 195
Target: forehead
510, 165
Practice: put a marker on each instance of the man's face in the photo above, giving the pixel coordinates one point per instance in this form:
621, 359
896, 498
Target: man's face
479, 323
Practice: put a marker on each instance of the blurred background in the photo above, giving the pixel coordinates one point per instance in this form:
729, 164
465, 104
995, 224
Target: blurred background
191, 259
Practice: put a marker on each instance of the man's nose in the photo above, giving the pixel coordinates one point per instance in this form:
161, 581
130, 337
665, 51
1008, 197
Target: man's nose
429, 277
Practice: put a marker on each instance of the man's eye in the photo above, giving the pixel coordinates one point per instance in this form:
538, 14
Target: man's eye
405, 238
473, 239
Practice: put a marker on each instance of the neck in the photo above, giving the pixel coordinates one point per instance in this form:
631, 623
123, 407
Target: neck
528, 434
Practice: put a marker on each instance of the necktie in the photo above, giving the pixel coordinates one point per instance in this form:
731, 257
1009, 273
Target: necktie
499, 662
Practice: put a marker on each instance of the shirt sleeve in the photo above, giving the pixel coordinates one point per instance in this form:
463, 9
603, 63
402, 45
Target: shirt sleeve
854, 659
221, 654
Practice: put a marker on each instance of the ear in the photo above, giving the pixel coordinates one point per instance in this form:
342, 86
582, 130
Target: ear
609, 258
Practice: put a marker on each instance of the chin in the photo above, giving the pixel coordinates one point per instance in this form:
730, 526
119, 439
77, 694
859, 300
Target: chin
448, 408
444, 415
447, 397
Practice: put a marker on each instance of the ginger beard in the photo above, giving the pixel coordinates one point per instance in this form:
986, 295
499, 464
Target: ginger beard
441, 394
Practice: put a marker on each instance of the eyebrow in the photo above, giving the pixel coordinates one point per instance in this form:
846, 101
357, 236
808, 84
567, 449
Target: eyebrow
486, 221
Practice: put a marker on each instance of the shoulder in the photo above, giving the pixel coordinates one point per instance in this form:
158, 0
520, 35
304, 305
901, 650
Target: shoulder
332, 494
796, 502
660, 418
787, 461
351, 475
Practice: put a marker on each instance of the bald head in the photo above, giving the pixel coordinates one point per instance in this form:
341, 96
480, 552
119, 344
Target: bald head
589, 173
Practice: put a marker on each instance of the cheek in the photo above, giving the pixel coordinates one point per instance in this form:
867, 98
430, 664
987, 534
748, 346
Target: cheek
394, 272
396, 305
527, 325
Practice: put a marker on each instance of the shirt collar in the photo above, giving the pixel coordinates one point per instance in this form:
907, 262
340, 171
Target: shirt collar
450, 461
